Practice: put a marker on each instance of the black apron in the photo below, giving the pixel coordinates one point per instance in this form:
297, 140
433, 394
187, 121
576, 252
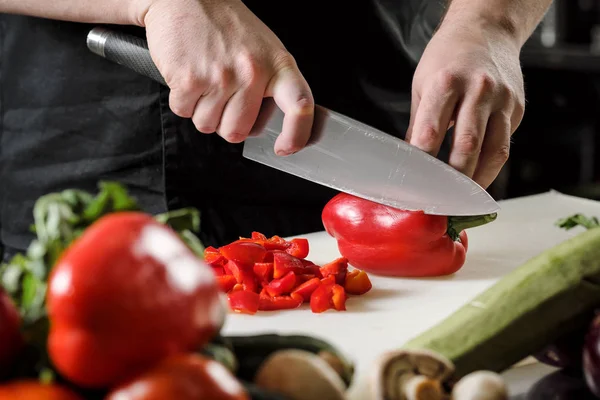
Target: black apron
69, 118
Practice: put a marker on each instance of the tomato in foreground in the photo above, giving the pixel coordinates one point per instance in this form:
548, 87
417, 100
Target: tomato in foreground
123, 296
11, 340
34, 390
391, 242
182, 377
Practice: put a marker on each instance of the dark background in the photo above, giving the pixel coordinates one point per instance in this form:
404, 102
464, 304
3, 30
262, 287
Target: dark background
557, 145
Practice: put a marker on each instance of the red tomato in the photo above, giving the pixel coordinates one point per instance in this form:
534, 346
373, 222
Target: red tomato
125, 295
182, 377
11, 341
34, 390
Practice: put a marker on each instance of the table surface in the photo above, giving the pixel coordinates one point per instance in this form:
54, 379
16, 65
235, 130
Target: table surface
396, 309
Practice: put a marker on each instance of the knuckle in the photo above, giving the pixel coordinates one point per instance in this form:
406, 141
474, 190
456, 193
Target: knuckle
283, 60
484, 83
250, 68
448, 80
428, 135
186, 81
222, 78
468, 143
501, 155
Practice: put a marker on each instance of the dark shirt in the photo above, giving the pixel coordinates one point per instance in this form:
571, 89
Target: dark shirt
69, 118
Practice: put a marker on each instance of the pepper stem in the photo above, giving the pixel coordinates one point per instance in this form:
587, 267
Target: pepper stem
459, 223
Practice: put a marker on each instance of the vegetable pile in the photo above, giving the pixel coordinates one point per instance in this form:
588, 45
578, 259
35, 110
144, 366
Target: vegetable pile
267, 274
546, 307
392, 242
109, 302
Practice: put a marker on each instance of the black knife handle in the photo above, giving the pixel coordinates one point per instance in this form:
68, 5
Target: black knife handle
127, 50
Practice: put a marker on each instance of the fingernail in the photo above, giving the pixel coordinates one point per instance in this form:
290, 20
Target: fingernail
281, 152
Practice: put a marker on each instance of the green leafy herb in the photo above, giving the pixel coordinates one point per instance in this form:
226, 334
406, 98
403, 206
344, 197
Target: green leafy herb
578, 220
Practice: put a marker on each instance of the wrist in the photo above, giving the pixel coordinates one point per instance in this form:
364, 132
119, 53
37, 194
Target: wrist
497, 25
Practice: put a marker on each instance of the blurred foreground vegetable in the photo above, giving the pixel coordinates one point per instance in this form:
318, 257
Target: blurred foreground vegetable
387, 241
126, 294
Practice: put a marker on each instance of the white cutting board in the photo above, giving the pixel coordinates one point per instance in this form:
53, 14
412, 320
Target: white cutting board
397, 309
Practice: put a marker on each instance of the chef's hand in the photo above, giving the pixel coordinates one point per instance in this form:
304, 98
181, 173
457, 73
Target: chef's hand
219, 61
469, 76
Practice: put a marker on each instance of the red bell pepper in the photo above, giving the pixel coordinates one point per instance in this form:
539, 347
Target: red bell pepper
126, 294
328, 295
393, 242
336, 268
182, 377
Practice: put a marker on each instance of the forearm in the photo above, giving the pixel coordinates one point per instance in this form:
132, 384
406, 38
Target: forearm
518, 18
124, 12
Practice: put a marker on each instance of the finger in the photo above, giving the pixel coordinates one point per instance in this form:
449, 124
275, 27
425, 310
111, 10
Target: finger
433, 116
291, 93
414, 106
240, 113
184, 95
495, 149
209, 110
469, 132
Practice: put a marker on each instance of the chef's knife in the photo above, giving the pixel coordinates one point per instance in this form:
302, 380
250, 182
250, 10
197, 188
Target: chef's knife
343, 154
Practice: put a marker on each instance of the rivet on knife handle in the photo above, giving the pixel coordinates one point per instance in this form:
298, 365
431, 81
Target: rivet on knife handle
127, 50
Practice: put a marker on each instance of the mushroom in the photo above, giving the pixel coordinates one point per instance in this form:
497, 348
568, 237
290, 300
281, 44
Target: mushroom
480, 385
300, 375
407, 375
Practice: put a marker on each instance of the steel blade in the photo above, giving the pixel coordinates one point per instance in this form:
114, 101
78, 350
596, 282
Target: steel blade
349, 156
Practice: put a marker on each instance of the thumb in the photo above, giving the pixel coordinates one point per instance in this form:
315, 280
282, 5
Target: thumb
293, 96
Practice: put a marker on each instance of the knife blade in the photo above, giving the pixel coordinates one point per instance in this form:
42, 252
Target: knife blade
342, 153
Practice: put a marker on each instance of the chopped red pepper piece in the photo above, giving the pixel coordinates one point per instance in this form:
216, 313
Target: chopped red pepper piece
213, 257
298, 248
246, 253
268, 303
226, 282
284, 263
337, 268
307, 288
338, 297
285, 285
320, 299
357, 282
259, 236
218, 271
264, 271
244, 301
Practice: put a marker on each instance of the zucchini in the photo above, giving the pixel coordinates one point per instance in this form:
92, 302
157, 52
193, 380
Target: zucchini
252, 351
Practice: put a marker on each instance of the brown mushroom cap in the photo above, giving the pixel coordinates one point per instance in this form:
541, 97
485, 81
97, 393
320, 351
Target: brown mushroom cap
300, 375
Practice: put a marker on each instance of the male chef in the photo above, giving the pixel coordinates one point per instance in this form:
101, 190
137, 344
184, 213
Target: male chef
413, 68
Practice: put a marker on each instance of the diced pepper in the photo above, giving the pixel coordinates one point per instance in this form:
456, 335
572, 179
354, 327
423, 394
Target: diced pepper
307, 288
298, 248
338, 297
268, 303
285, 285
258, 236
321, 299
264, 271
357, 282
284, 263
226, 282
337, 268
213, 257
244, 301
246, 253
307, 277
